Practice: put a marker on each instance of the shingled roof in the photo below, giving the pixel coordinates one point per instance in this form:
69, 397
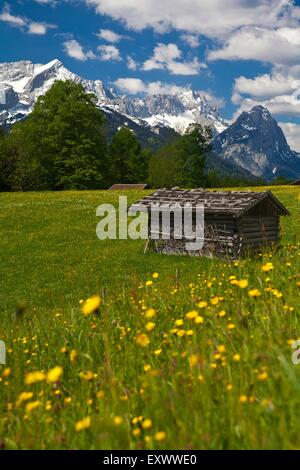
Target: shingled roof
125, 186
235, 203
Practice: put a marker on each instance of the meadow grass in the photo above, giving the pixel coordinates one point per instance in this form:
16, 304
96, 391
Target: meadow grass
198, 357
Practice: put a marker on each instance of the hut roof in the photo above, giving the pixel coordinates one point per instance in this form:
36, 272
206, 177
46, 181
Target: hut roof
122, 186
295, 183
235, 203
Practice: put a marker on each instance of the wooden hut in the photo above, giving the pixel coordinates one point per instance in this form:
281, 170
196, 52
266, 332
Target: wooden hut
295, 183
235, 222
125, 186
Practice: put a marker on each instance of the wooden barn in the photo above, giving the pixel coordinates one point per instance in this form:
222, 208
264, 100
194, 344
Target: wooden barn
125, 186
295, 183
235, 223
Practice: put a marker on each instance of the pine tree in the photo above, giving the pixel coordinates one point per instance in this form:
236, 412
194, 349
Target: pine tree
129, 163
192, 147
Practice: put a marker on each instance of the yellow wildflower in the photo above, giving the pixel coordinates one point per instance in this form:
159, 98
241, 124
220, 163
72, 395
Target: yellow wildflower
6, 372
236, 358
262, 376
202, 304
155, 275
33, 377
86, 375
142, 339
243, 399
73, 355
150, 313
150, 326
147, 423
53, 375
149, 283
191, 315
267, 267
32, 405
199, 319
254, 293
243, 283
83, 424
193, 360
118, 420
160, 436
91, 305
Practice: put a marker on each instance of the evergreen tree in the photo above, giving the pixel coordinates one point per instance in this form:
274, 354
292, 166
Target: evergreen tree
61, 144
129, 163
192, 147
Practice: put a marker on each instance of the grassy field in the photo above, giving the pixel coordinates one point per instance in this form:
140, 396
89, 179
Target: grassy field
183, 353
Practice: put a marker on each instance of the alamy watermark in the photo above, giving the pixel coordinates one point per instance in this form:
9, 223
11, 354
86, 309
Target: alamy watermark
2, 353
156, 222
296, 353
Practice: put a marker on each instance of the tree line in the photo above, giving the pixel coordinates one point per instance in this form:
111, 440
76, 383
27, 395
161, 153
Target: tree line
62, 145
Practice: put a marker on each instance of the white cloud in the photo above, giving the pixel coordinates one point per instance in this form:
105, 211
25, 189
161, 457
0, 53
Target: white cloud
165, 57
74, 49
109, 53
282, 105
292, 134
191, 39
135, 86
280, 46
7, 17
212, 18
266, 86
278, 91
131, 63
132, 86
39, 28
109, 35
25, 24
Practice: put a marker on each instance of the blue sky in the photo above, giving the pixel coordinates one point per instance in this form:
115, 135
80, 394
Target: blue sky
238, 52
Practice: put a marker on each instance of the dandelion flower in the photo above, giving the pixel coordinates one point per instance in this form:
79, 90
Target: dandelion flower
243, 399
243, 283
150, 326
191, 315
147, 424
267, 267
118, 420
142, 339
54, 374
33, 377
160, 436
91, 305
32, 406
155, 275
262, 376
87, 375
236, 358
150, 313
83, 424
254, 293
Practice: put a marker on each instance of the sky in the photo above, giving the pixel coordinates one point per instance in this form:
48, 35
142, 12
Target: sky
239, 53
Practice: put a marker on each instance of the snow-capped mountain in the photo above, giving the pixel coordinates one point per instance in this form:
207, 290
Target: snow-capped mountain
254, 143
22, 82
176, 111
257, 144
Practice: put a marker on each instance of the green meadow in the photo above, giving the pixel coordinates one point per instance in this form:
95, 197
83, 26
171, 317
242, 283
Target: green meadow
179, 352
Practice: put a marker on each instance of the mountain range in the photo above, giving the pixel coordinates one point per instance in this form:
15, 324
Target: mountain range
254, 145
